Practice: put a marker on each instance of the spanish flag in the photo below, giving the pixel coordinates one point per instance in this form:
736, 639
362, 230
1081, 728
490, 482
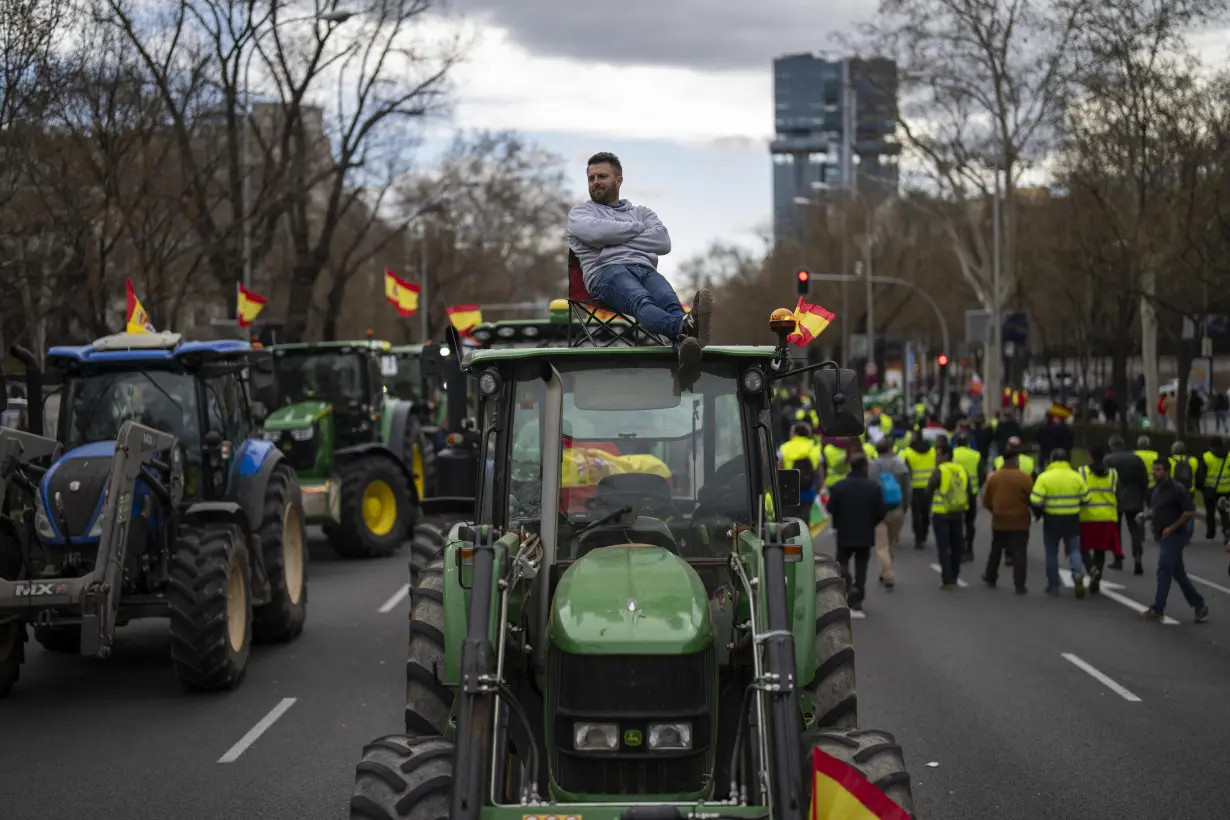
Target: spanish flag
840, 792
138, 319
401, 294
810, 321
464, 317
250, 304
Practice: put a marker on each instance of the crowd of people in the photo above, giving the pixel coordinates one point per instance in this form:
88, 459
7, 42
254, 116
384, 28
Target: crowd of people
938, 477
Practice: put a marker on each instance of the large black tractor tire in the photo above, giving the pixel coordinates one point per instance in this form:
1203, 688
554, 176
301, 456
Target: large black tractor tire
12, 654
420, 459
403, 778
427, 544
353, 537
65, 638
428, 701
284, 543
874, 754
832, 688
210, 598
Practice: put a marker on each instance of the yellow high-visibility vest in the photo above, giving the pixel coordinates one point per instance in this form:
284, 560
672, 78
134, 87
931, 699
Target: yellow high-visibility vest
1217, 473
953, 493
921, 465
1026, 463
1102, 497
1060, 490
835, 466
800, 447
970, 459
1148, 457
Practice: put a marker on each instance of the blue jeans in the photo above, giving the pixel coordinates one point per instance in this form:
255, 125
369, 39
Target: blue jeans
642, 293
1170, 568
1072, 544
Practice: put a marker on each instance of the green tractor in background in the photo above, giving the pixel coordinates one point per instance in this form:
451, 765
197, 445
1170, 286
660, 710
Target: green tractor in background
361, 454
635, 624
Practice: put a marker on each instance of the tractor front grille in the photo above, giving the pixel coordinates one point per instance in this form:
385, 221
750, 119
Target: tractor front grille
300, 455
632, 691
80, 483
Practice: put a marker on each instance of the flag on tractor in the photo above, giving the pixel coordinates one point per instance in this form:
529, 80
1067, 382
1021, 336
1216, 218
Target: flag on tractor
401, 294
464, 317
809, 322
250, 304
841, 792
137, 319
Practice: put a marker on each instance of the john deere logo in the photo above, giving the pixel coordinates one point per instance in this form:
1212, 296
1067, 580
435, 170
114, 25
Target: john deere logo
633, 737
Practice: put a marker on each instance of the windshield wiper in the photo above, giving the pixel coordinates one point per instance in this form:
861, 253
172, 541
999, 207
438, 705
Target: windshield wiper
606, 519
163, 390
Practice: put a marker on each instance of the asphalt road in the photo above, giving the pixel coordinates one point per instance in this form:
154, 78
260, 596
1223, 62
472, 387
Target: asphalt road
1000, 691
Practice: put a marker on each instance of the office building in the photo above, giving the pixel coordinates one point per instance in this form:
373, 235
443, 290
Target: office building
813, 113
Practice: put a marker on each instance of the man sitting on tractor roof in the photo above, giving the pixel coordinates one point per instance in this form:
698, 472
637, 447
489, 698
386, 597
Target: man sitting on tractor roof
618, 245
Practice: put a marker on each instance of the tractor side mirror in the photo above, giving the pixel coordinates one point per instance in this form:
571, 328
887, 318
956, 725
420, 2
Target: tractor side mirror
212, 441
260, 412
262, 379
839, 402
789, 485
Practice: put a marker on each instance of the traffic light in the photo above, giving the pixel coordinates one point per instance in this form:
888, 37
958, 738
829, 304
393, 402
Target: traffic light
803, 279
942, 361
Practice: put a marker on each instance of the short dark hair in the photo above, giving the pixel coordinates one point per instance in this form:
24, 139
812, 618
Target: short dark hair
942, 449
800, 428
1097, 452
607, 157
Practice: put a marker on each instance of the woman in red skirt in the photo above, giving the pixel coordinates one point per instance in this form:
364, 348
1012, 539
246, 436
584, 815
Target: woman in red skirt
1099, 516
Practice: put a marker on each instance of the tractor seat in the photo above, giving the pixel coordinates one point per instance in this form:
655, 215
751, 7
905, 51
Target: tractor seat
647, 493
597, 325
645, 530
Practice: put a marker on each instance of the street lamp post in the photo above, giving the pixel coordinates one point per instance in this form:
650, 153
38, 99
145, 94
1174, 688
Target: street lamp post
334, 17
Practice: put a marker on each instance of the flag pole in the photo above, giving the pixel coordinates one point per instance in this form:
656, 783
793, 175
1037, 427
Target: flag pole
424, 298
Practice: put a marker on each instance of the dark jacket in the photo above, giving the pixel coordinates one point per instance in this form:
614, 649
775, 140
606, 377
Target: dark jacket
857, 507
1006, 429
1133, 479
1053, 436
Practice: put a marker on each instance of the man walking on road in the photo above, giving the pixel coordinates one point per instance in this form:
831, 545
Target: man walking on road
1099, 516
920, 458
1213, 479
949, 494
1057, 498
893, 477
1006, 495
857, 508
1171, 509
1134, 481
971, 460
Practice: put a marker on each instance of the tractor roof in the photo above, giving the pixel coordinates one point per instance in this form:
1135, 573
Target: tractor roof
146, 348
712, 352
308, 347
407, 350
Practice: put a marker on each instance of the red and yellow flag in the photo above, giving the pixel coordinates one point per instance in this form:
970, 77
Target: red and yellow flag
137, 319
250, 304
401, 294
464, 317
810, 321
840, 792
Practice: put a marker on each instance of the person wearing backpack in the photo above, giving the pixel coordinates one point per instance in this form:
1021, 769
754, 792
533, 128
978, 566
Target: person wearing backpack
801, 452
1182, 466
892, 475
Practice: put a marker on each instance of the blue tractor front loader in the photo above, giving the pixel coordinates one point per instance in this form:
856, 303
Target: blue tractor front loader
165, 502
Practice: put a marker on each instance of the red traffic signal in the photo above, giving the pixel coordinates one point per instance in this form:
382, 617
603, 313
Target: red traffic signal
802, 281
803, 276
942, 360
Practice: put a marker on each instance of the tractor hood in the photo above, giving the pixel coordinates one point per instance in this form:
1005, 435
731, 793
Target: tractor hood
297, 416
79, 477
630, 600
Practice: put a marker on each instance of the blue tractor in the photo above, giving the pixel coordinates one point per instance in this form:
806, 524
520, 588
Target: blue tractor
165, 502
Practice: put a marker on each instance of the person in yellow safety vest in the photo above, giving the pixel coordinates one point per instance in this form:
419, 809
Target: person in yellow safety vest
920, 412
807, 415
971, 460
1182, 467
1147, 456
949, 491
1213, 479
1099, 516
869, 450
920, 458
801, 452
836, 462
1057, 498
1024, 463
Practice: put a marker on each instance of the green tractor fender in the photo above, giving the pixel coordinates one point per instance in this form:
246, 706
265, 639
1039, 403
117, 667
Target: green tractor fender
801, 594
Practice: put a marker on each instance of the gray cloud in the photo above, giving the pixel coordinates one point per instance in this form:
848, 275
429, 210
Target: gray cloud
700, 34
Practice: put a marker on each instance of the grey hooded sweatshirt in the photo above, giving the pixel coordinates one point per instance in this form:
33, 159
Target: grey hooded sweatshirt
623, 234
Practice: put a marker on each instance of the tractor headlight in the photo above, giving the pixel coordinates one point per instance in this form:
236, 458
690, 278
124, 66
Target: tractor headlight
271, 435
42, 525
753, 381
666, 737
595, 737
305, 434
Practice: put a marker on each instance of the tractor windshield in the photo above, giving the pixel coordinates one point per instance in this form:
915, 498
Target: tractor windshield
407, 382
674, 461
320, 375
96, 405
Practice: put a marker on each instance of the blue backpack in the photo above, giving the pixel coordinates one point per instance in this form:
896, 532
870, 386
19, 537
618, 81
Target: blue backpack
890, 488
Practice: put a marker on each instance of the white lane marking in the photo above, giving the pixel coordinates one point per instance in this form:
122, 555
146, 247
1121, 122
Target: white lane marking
1108, 591
397, 598
1101, 677
960, 581
256, 731
856, 614
1209, 583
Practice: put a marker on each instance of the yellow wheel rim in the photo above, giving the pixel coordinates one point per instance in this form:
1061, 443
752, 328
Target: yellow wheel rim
292, 552
236, 612
416, 464
379, 508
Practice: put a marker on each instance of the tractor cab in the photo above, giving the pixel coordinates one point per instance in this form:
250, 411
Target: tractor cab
343, 379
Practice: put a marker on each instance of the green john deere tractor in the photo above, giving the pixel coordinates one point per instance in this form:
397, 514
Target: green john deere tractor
361, 454
636, 624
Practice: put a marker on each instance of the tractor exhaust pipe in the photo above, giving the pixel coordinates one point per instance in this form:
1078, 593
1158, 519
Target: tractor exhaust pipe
34, 387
